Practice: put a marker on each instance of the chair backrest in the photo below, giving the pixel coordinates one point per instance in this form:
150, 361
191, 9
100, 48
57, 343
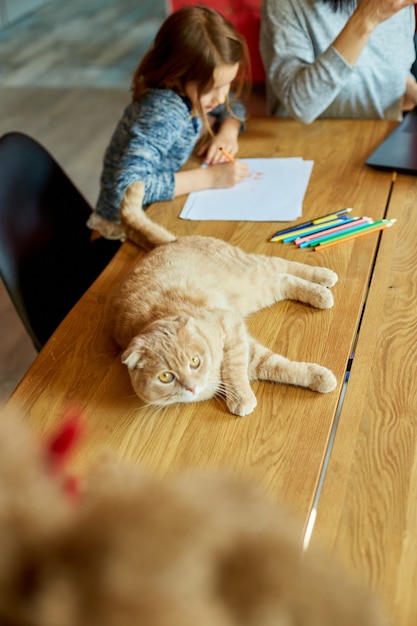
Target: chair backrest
47, 260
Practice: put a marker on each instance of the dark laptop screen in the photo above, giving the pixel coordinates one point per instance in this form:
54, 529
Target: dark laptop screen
398, 152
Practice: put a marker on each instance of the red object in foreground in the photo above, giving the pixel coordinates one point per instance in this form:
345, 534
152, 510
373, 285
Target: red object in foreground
60, 446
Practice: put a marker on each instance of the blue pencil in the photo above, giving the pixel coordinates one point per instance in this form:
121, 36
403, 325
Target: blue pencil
309, 240
315, 228
316, 220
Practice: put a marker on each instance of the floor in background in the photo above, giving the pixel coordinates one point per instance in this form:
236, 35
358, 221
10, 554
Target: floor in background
93, 45
65, 73
16, 349
81, 43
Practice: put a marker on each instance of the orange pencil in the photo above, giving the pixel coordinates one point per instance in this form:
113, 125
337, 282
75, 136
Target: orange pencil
361, 233
226, 154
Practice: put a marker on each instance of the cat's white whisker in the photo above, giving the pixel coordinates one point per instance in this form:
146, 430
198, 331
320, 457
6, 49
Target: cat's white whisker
129, 396
219, 399
157, 409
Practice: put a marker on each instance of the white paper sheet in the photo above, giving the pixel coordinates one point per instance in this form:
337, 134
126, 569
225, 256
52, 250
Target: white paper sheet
273, 192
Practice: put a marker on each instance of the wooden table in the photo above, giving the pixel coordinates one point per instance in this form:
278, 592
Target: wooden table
367, 511
284, 443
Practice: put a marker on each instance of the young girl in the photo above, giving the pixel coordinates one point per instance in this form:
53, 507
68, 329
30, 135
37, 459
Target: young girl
182, 81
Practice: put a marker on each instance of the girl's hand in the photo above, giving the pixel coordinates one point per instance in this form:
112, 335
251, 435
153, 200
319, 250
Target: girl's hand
215, 155
227, 174
217, 176
226, 138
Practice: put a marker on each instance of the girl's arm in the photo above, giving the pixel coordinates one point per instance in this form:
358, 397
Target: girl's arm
229, 126
210, 177
144, 150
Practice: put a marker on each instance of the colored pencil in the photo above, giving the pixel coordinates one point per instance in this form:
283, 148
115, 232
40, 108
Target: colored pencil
315, 228
345, 234
227, 154
308, 240
317, 220
350, 228
376, 226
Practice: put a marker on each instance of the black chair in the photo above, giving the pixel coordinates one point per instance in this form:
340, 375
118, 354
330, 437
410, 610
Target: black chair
47, 258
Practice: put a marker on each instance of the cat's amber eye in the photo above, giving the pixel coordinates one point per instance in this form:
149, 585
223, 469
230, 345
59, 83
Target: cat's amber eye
166, 377
195, 362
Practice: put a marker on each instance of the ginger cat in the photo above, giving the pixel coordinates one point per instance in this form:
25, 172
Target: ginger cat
179, 316
132, 549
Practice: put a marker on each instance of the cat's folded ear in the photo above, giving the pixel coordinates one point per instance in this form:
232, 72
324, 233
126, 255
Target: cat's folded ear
156, 334
134, 353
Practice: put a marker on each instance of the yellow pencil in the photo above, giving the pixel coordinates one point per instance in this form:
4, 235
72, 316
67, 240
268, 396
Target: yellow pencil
360, 233
226, 154
316, 221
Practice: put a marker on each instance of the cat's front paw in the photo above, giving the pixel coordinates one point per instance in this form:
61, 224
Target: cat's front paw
242, 404
321, 379
325, 277
322, 297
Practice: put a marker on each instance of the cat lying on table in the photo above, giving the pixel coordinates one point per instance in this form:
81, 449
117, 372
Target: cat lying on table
179, 316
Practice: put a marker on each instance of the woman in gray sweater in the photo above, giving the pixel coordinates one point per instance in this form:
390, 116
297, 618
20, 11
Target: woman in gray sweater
339, 58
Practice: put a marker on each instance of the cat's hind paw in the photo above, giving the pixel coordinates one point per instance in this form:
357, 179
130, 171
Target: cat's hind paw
242, 405
322, 379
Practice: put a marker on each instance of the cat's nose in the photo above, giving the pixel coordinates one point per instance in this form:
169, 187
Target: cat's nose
191, 389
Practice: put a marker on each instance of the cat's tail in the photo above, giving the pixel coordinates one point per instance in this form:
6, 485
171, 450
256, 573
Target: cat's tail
138, 226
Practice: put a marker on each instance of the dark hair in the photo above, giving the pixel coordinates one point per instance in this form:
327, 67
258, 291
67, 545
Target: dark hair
341, 5
190, 44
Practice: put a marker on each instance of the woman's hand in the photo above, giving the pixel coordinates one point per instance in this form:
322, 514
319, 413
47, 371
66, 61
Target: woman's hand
374, 12
364, 20
410, 96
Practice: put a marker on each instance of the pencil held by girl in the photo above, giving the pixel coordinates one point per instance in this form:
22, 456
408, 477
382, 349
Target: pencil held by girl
189, 83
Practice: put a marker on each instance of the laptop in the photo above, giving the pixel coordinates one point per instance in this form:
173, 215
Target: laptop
398, 152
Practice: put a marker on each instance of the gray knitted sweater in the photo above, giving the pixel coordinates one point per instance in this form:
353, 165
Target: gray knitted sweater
306, 76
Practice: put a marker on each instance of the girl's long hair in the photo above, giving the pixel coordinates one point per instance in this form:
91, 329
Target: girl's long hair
190, 44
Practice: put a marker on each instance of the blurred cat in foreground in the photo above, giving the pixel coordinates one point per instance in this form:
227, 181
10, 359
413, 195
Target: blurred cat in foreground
123, 548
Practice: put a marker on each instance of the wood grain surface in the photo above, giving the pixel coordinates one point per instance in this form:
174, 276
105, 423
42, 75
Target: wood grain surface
283, 443
368, 508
